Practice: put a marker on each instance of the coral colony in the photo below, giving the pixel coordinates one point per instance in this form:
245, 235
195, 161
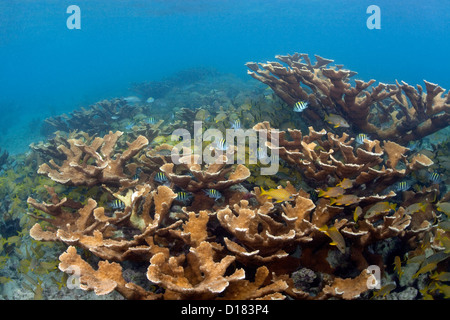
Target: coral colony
347, 208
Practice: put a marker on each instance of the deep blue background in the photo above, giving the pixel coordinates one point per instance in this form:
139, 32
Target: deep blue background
47, 69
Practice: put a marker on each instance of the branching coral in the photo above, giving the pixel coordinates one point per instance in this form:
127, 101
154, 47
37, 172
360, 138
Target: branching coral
408, 113
326, 158
94, 163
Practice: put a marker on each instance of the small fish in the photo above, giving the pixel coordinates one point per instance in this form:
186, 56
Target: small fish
427, 268
402, 186
336, 237
415, 207
434, 177
441, 276
345, 184
130, 126
150, 100
151, 120
379, 207
444, 207
220, 145
385, 290
132, 99
357, 213
213, 193
361, 137
236, 124
336, 120
183, 197
161, 177
114, 117
300, 106
220, 117
279, 194
398, 266
117, 204
332, 192
345, 200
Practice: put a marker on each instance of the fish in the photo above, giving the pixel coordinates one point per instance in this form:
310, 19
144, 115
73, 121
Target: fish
151, 120
402, 186
428, 267
114, 117
150, 100
161, 177
361, 137
336, 120
357, 213
444, 207
183, 197
132, 99
415, 208
336, 237
345, 199
345, 184
117, 204
385, 290
398, 266
278, 194
236, 124
220, 117
221, 144
332, 192
441, 276
213, 193
434, 177
300, 106
379, 207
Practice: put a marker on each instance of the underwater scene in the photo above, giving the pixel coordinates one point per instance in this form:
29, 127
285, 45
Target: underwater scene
224, 150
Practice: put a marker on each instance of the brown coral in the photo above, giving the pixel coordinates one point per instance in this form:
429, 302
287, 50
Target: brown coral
409, 113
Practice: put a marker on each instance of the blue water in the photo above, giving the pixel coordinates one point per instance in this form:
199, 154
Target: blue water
47, 69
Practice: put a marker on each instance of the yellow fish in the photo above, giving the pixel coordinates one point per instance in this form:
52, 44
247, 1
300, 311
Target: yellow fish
345, 184
332, 192
336, 236
336, 120
279, 194
415, 208
444, 207
398, 266
357, 213
345, 200
379, 207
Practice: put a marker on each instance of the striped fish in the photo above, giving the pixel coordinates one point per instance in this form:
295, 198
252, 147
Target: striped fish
160, 177
402, 186
117, 204
361, 137
183, 197
213, 193
300, 106
236, 124
434, 177
221, 145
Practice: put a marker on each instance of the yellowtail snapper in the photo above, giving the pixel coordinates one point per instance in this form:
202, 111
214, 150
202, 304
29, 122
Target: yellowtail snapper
300, 106
213, 193
117, 204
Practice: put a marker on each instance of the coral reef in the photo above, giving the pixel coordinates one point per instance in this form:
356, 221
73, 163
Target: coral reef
109, 207
404, 113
